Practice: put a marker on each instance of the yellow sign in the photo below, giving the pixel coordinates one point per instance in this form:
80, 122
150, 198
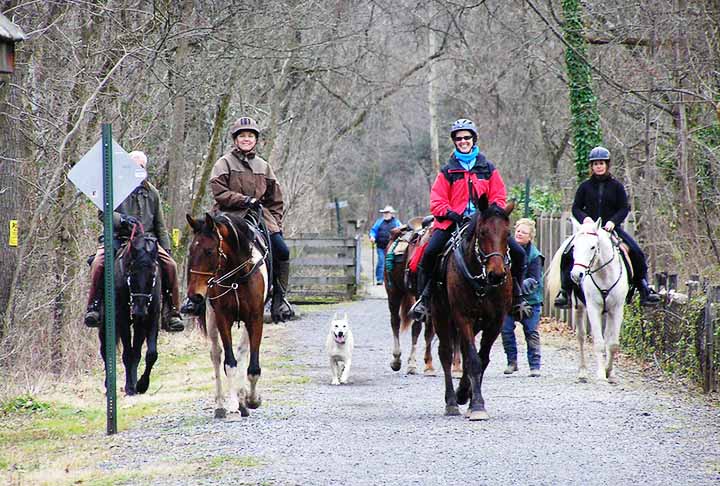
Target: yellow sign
13, 240
176, 237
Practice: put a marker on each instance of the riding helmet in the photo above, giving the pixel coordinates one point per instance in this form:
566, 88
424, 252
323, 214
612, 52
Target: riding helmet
599, 153
464, 124
244, 123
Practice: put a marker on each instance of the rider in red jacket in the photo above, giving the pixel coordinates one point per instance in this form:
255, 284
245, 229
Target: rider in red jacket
450, 201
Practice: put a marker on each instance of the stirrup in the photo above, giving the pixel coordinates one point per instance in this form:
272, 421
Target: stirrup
419, 310
173, 324
92, 318
562, 301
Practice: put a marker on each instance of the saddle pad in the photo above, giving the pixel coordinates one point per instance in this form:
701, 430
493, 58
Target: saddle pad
625, 252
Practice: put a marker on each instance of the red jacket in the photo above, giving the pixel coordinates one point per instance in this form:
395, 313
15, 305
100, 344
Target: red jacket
451, 189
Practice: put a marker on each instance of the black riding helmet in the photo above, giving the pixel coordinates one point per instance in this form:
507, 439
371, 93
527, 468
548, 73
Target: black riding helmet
599, 153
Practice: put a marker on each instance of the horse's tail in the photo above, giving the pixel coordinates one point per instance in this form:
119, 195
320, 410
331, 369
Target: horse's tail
405, 305
552, 276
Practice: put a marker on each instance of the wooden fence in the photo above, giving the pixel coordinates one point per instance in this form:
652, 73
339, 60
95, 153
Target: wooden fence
323, 268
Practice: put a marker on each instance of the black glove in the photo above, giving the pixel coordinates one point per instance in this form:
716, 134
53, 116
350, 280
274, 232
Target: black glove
528, 285
522, 310
127, 220
252, 203
454, 217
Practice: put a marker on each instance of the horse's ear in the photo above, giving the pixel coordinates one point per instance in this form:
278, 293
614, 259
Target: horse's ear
598, 224
209, 221
195, 224
576, 225
482, 203
509, 207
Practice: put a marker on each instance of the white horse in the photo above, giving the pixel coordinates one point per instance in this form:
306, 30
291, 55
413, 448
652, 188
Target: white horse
600, 273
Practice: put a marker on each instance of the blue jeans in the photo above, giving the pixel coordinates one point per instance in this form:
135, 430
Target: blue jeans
532, 338
380, 266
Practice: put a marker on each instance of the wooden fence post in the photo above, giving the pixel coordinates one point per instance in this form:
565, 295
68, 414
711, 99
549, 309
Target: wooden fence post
709, 378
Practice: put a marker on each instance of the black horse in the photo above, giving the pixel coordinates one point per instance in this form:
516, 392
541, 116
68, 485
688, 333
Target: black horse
137, 307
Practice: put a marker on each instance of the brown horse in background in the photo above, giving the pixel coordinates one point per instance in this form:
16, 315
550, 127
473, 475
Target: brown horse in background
477, 296
401, 298
227, 267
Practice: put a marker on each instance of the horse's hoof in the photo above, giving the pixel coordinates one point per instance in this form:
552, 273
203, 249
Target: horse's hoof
395, 365
254, 403
462, 397
130, 392
452, 410
142, 385
412, 370
429, 372
220, 413
244, 412
456, 374
476, 415
582, 379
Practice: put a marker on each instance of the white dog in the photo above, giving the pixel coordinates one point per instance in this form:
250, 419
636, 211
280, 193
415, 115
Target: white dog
339, 347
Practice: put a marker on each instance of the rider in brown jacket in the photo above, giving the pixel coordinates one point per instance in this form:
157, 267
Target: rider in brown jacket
240, 181
141, 206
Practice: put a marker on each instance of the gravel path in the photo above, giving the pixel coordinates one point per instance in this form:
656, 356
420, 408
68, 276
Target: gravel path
387, 428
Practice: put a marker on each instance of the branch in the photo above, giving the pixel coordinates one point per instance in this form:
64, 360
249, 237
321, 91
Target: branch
40, 210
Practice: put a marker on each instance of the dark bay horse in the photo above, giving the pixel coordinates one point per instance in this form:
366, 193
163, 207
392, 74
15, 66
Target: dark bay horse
137, 307
476, 297
227, 267
401, 298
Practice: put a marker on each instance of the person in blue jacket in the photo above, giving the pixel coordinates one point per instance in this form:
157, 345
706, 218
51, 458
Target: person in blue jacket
532, 293
380, 236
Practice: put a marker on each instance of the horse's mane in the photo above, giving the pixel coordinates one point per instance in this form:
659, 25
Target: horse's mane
492, 211
495, 211
240, 230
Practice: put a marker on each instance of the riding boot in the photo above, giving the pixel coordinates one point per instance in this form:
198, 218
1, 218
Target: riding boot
92, 314
648, 296
420, 310
562, 301
280, 309
171, 319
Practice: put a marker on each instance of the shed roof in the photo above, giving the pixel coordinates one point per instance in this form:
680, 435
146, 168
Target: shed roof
8, 30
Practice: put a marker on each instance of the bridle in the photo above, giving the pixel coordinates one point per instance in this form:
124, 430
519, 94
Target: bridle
480, 282
483, 258
592, 271
133, 295
231, 275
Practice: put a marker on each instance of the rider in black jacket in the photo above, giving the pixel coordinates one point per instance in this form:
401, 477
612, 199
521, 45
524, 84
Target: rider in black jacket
603, 196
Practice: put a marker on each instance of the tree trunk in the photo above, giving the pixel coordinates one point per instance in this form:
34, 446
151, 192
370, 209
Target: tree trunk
432, 95
177, 165
9, 190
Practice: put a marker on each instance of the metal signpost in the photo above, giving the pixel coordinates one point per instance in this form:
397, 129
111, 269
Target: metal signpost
110, 371
107, 189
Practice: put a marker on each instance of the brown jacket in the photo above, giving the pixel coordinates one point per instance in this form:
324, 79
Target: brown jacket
144, 203
237, 177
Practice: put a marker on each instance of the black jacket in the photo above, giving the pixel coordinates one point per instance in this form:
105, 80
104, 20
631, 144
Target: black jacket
603, 197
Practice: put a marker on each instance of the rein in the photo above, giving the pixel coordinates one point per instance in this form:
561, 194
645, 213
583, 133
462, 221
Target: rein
592, 271
133, 295
480, 283
236, 280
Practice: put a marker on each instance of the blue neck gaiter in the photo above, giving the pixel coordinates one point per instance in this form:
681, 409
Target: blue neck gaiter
467, 160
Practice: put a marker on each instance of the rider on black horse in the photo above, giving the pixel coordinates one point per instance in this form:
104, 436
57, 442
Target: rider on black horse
242, 181
450, 202
142, 206
603, 196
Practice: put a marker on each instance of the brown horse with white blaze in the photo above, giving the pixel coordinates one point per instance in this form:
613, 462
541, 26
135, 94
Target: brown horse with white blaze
227, 267
476, 297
